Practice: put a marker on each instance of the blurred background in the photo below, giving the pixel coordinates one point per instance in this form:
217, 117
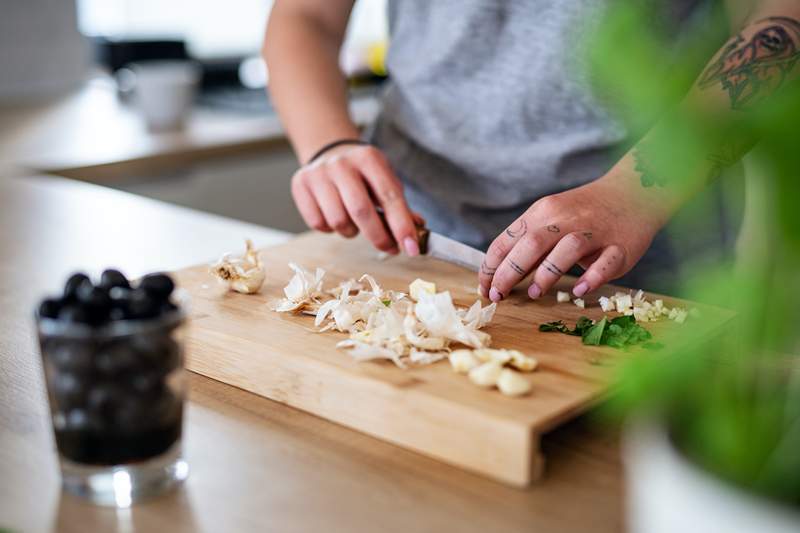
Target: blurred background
68, 102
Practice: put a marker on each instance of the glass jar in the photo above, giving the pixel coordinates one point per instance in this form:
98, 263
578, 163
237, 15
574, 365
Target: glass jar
116, 396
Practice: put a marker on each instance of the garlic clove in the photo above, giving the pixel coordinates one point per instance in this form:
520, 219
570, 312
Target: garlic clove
512, 383
486, 375
522, 362
486, 355
463, 361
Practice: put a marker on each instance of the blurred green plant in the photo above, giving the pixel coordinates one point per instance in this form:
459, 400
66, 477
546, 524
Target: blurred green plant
731, 405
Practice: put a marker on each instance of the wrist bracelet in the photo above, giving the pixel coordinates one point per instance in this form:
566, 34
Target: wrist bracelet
334, 144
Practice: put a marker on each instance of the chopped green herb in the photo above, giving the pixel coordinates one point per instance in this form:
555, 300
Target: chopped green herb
619, 332
594, 335
558, 325
387, 303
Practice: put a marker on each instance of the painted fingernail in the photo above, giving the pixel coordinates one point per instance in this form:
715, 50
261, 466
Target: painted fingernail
411, 246
482, 290
495, 295
534, 291
580, 289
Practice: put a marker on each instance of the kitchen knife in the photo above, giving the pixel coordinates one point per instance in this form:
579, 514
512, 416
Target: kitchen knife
435, 245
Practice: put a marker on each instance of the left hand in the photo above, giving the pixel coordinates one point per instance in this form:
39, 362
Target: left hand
598, 226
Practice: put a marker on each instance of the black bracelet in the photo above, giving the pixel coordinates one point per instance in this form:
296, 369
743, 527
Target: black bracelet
334, 144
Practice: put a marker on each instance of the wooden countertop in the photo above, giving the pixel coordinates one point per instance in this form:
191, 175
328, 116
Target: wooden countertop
255, 464
91, 136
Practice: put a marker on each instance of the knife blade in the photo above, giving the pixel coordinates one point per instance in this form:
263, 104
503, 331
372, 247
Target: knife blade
452, 251
438, 246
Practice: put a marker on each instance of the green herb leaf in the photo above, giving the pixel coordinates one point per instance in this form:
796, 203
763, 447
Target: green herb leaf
619, 332
557, 325
594, 335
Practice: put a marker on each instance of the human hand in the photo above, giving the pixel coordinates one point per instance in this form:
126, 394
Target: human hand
598, 226
341, 190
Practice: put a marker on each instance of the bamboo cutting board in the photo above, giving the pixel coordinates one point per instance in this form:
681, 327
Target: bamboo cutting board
238, 340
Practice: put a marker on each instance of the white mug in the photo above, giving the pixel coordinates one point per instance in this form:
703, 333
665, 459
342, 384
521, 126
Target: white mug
164, 92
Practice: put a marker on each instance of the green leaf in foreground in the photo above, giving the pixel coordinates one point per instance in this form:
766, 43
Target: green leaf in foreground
619, 332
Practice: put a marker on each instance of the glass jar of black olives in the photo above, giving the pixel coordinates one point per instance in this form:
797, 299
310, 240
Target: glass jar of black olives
113, 363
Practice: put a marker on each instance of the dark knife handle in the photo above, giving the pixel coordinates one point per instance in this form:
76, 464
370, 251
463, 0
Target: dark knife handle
422, 231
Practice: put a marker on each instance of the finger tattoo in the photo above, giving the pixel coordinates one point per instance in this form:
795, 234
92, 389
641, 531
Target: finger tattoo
516, 267
485, 269
519, 230
552, 228
588, 235
552, 268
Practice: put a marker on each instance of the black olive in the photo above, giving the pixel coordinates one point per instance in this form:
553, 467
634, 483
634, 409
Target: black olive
68, 389
49, 308
120, 303
96, 302
116, 357
168, 307
71, 287
142, 305
112, 278
158, 285
75, 313
71, 356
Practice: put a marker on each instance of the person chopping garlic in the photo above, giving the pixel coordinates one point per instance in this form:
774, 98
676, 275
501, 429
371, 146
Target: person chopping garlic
491, 135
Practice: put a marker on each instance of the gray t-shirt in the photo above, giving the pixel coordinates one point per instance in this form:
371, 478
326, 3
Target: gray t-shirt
489, 107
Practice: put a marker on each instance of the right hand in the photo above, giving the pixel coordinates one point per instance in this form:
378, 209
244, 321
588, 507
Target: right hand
339, 192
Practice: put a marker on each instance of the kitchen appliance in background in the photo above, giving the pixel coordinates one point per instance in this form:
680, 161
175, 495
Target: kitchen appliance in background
42, 54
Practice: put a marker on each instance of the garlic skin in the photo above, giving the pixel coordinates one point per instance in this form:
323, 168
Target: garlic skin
486, 375
244, 274
419, 286
512, 383
463, 361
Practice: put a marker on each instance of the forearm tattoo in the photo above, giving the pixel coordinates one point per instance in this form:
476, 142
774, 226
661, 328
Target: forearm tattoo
648, 174
750, 70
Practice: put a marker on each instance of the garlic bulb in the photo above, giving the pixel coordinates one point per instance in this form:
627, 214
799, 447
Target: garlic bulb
244, 274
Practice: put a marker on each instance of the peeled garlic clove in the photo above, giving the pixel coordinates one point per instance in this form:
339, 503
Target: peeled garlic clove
463, 361
522, 362
486, 355
512, 383
486, 375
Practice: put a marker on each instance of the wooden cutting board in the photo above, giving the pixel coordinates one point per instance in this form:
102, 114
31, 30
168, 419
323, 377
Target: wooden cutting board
238, 340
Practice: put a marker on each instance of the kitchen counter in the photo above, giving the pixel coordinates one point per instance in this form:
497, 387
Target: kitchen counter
255, 464
90, 135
